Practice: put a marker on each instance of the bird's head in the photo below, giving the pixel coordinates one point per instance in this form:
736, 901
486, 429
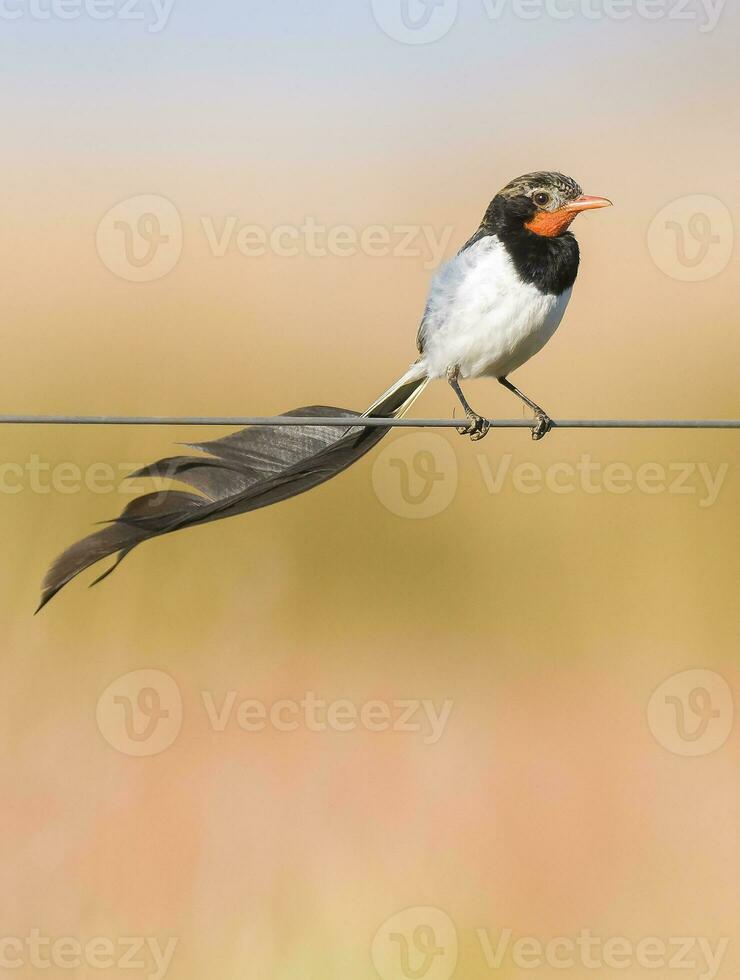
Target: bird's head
544, 203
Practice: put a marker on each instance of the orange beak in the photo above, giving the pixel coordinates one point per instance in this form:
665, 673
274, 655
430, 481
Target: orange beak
550, 224
587, 203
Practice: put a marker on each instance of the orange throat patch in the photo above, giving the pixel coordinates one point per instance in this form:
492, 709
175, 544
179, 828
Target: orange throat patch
550, 224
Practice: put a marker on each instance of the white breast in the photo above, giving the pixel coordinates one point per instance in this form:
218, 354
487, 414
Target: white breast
483, 318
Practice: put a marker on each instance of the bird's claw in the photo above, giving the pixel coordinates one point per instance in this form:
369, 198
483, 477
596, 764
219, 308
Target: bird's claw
477, 428
542, 425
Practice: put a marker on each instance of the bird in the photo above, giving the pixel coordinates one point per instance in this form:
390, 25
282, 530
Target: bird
489, 310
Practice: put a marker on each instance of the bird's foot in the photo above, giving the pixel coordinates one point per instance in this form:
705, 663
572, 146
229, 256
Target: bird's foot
477, 427
542, 425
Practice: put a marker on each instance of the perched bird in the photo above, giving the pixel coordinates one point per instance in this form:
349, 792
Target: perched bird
500, 300
490, 309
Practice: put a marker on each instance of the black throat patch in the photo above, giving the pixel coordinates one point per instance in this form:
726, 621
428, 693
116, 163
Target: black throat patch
548, 264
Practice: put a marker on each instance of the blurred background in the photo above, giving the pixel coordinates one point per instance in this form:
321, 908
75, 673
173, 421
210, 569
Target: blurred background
526, 653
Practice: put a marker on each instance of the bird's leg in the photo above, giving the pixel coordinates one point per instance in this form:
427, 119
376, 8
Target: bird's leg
478, 427
543, 422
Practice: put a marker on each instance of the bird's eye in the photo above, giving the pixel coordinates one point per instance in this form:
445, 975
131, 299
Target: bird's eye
542, 199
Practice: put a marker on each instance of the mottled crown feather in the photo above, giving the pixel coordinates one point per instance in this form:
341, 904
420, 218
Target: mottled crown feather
564, 186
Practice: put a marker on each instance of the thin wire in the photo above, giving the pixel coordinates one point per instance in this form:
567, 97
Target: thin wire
344, 422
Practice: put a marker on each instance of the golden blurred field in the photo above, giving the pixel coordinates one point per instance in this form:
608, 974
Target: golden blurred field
549, 805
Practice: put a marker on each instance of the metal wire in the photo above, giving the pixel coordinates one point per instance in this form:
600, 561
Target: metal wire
367, 422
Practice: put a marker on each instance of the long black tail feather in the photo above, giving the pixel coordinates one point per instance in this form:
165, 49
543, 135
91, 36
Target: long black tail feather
242, 472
